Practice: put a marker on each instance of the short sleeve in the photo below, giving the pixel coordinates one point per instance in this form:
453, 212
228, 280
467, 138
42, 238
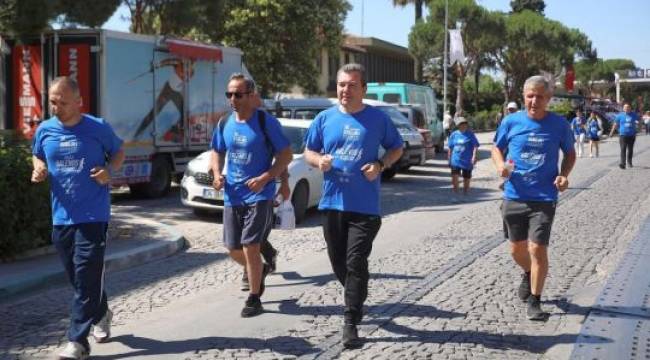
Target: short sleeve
392, 139
314, 136
37, 145
501, 137
475, 140
567, 140
218, 144
111, 142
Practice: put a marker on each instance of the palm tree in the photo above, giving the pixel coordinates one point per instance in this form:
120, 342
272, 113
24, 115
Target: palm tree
418, 16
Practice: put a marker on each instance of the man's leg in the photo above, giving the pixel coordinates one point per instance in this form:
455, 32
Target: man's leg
515, 217
622, 143
538, 266
454, 182
467, 177
630, 149
362, 230
90, 303
253, 262
335, 232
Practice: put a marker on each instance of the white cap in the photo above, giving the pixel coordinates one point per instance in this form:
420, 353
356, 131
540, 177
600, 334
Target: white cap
512, 105
459, 120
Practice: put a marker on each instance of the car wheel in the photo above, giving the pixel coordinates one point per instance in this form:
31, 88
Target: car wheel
299, 200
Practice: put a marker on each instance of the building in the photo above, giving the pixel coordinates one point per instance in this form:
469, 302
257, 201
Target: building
384, 62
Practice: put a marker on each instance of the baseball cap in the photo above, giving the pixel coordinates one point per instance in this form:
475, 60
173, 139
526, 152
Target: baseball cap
512, 105
460, 120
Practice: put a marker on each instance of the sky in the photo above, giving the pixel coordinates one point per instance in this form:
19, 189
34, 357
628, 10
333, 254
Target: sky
617, 28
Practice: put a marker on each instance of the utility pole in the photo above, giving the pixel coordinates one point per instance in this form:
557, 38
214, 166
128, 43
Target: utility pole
445, 63
362, 3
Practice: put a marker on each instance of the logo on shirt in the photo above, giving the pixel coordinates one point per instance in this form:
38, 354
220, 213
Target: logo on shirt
239, 139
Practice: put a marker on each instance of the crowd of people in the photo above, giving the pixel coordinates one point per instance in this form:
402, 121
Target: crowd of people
79, 153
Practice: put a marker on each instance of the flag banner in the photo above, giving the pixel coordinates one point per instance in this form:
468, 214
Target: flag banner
456, 50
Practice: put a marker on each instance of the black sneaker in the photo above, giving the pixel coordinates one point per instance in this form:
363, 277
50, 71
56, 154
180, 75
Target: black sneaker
244, 285
622, 166
630, 165
252, 307
265, 272
524, 287
351, 337
534, 311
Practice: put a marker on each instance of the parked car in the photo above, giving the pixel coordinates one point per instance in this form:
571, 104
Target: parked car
415, 115
305, 181
297, 108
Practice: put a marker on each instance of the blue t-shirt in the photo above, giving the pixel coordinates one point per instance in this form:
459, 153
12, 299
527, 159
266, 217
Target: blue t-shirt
248, 156
627, 123
578, 125
594, 127
353, 140
462, 145
70, 153
534, 146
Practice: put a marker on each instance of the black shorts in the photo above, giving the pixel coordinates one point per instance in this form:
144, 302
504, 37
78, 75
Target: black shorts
531, 220
247, 224
594, 138
467, 174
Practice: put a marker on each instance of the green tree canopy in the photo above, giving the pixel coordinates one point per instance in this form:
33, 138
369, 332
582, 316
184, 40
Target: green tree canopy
537, 6
282, 39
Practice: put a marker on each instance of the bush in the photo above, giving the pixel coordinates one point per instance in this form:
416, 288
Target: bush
25, 215
484, 120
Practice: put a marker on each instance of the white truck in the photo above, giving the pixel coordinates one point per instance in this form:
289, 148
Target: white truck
162, 96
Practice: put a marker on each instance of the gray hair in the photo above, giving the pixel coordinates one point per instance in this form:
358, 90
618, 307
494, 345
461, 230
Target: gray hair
67, 82
537, 81
250, 83
353, 67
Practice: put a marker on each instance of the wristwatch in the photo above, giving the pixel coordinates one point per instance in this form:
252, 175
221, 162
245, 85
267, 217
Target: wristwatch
381, 165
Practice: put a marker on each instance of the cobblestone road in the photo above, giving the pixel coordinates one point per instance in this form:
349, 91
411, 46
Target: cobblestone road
446, 294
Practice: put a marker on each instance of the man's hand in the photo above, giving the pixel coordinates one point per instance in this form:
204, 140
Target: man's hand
502, 171
561, 182
371, 170
257, 184
325, 163
39, 174
218, 182
101, 175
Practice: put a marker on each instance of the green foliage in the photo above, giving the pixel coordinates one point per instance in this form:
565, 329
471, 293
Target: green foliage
25, 217
24, 18
563, 108
282, 39
487, 96
484, 120
532, 5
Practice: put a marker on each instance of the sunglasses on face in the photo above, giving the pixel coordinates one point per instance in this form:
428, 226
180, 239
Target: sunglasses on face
238, 95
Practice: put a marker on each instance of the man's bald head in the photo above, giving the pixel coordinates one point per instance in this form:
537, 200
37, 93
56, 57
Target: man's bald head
66, 82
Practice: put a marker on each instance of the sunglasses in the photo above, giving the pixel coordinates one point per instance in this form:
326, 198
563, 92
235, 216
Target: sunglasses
238, 95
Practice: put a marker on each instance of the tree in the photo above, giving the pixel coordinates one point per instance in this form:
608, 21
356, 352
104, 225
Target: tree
87, 13
418, 17
482, 33
534, 44
282, 39
537, 6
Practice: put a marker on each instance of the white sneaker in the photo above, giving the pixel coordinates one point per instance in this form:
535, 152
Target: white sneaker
102, 330
74, 351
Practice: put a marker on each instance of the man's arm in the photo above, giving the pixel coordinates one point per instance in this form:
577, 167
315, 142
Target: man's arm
499, 162
282, 160
216, 165
321, 161
568, 161
614, 126
40, 169
103, 174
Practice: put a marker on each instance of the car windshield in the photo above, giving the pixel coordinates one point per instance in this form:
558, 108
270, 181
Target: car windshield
296, 136
399, 120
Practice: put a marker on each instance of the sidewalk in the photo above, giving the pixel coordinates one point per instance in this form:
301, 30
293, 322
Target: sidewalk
131, 242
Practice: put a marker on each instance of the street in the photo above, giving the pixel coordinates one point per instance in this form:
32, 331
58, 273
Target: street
442, 281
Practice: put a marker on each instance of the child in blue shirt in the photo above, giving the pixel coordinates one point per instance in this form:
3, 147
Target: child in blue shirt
461, 154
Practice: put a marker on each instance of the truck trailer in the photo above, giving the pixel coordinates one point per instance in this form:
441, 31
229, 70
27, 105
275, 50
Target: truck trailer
162, 96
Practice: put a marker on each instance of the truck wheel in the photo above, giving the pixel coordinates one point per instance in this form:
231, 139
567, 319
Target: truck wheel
299, 200
160, 181
388, 174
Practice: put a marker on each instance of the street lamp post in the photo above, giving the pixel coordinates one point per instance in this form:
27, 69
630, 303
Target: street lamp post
445, 60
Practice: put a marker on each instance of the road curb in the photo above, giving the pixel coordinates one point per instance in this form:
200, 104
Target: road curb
51, 275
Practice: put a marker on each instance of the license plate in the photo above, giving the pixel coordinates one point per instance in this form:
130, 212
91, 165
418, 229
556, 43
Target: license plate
212, 194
